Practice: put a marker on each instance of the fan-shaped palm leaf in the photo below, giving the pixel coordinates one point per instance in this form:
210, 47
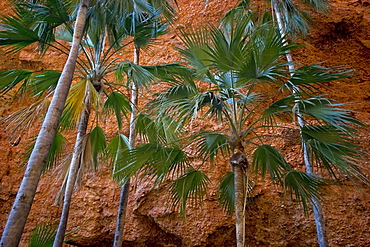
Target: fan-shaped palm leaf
119, 104
268, 158
98, 144
75, 103
190, 186
43, 236
226, 191
334, 150
19, 123
304, 187
209, 144
56, 153
11, 78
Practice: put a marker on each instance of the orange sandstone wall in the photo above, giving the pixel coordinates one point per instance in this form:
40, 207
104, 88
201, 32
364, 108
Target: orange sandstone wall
339, 38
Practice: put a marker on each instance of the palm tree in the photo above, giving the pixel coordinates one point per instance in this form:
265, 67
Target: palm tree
238, 77
145, 26
136, 18
22, 205
292, 21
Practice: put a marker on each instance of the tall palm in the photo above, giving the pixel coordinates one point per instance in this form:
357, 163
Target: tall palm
292, 22
22, 205
92, 71
245, 85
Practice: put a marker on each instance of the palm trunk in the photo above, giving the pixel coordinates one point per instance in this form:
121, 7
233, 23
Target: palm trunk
239, 164
125, 189
319, 218
72, 174
22, 205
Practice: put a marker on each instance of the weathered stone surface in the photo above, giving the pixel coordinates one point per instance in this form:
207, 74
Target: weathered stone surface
339, 38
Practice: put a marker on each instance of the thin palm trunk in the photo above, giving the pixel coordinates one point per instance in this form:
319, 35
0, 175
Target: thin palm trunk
72, 174
239, 163
125, 189
319, 218
22, 205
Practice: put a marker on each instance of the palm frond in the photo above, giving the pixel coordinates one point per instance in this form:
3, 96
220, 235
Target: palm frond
238, 12
331, 114
181, 102
118, 151
295, 21
74, 104
313, 74
11, 78
333, 150
119, 104
43, 236
162, 129
195, 50
15, 35
171, 73
165, 8
135, 73
319, 5
209, 144
56, 154
33, 23
304, 187
98, 143
191, 186
268, 158
262, 59
44, 82
226, 191
19, 123
159, 162
281, 109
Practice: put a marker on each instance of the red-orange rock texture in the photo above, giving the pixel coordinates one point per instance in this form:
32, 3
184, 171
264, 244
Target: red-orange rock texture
340, 38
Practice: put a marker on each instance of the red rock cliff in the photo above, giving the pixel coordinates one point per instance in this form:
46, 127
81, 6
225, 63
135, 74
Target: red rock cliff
339, 38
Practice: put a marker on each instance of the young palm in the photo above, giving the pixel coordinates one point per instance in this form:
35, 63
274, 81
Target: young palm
241, 64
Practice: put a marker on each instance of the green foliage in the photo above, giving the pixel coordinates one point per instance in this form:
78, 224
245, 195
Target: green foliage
159, 162
11, 78
135, 73
226, 192
304, 187
118, 151
45, 82
33, 23
209, 144
56, 153
268, 158
97, 142
119, 104
166, 131
309, 75
333, 150
43, 236
192, 185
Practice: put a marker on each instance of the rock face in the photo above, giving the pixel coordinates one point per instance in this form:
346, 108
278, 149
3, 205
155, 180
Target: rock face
339, 38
